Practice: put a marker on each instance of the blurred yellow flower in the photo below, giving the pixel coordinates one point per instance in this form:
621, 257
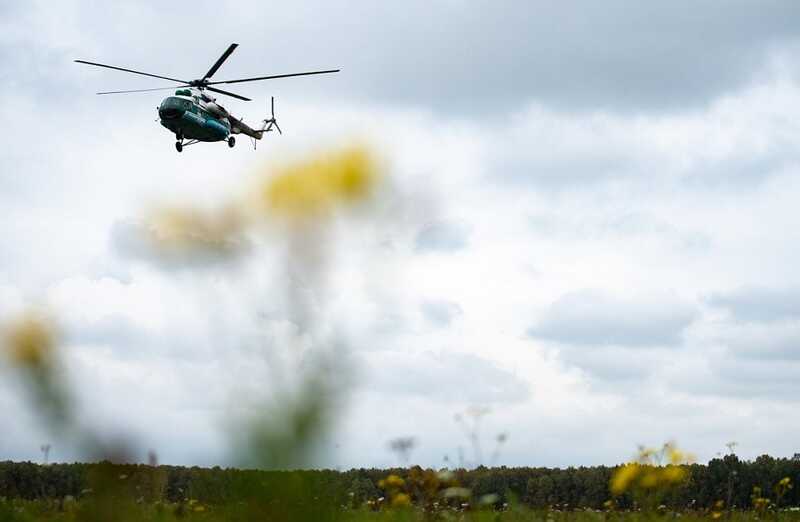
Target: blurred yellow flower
191, 229
300, 190
401, 500
31, 341
392, 482
652, 470
650, 478
760, 503
677, 456
674, 474
315, 186
623, 477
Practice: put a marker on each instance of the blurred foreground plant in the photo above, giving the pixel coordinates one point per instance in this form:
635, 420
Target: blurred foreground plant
319, 185
295, 203
306, 192
30, 343
652, 475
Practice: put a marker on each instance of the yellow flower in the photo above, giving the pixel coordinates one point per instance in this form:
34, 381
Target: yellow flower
31, 342
674, 474
677, 456
401, 500
623, 477
651, 478
313, 187
760, 503
394, 481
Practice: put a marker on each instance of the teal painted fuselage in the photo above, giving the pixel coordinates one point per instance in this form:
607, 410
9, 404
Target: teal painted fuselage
188, 120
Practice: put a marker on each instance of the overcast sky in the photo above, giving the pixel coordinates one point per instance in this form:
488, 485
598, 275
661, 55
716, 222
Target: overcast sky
594, 230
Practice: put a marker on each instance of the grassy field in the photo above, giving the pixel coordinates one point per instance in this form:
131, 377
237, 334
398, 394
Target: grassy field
21, 511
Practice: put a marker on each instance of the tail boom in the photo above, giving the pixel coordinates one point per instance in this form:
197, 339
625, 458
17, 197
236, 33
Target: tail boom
240, 127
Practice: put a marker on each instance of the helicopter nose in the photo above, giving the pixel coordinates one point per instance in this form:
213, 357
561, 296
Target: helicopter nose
170, 113
171, 109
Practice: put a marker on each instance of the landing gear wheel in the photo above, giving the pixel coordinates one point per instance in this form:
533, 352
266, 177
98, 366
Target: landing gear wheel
231, 142
178, 146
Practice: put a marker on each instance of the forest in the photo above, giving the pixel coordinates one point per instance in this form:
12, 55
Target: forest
729, 480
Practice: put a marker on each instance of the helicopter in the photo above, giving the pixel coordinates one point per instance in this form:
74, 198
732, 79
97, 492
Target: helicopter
194, 116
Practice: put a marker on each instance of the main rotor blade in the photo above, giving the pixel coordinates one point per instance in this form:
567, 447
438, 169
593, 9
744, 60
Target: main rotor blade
172, 88
131, 71
226, 93
275, 76
222, 58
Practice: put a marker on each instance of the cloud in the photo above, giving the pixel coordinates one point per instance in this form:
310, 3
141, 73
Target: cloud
633, 149
442, 236
447, 376
593, 318
759, 303
774, 341
614, 55
440, 313
739, 140
630, 225
656, 57
728, 376
612, 365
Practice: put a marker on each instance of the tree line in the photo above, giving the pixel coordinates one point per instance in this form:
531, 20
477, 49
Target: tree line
728, 479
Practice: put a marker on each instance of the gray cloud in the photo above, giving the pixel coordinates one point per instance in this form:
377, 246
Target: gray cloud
466, 57
446, 376
611, 55
440, 312
745, 378
759, 303
442, 236
591, 318
773, 341
611, 364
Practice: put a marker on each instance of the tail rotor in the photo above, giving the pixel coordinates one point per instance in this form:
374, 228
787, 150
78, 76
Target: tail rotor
271, 122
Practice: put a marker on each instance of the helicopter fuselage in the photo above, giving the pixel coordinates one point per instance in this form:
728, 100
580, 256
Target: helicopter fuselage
189, 119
